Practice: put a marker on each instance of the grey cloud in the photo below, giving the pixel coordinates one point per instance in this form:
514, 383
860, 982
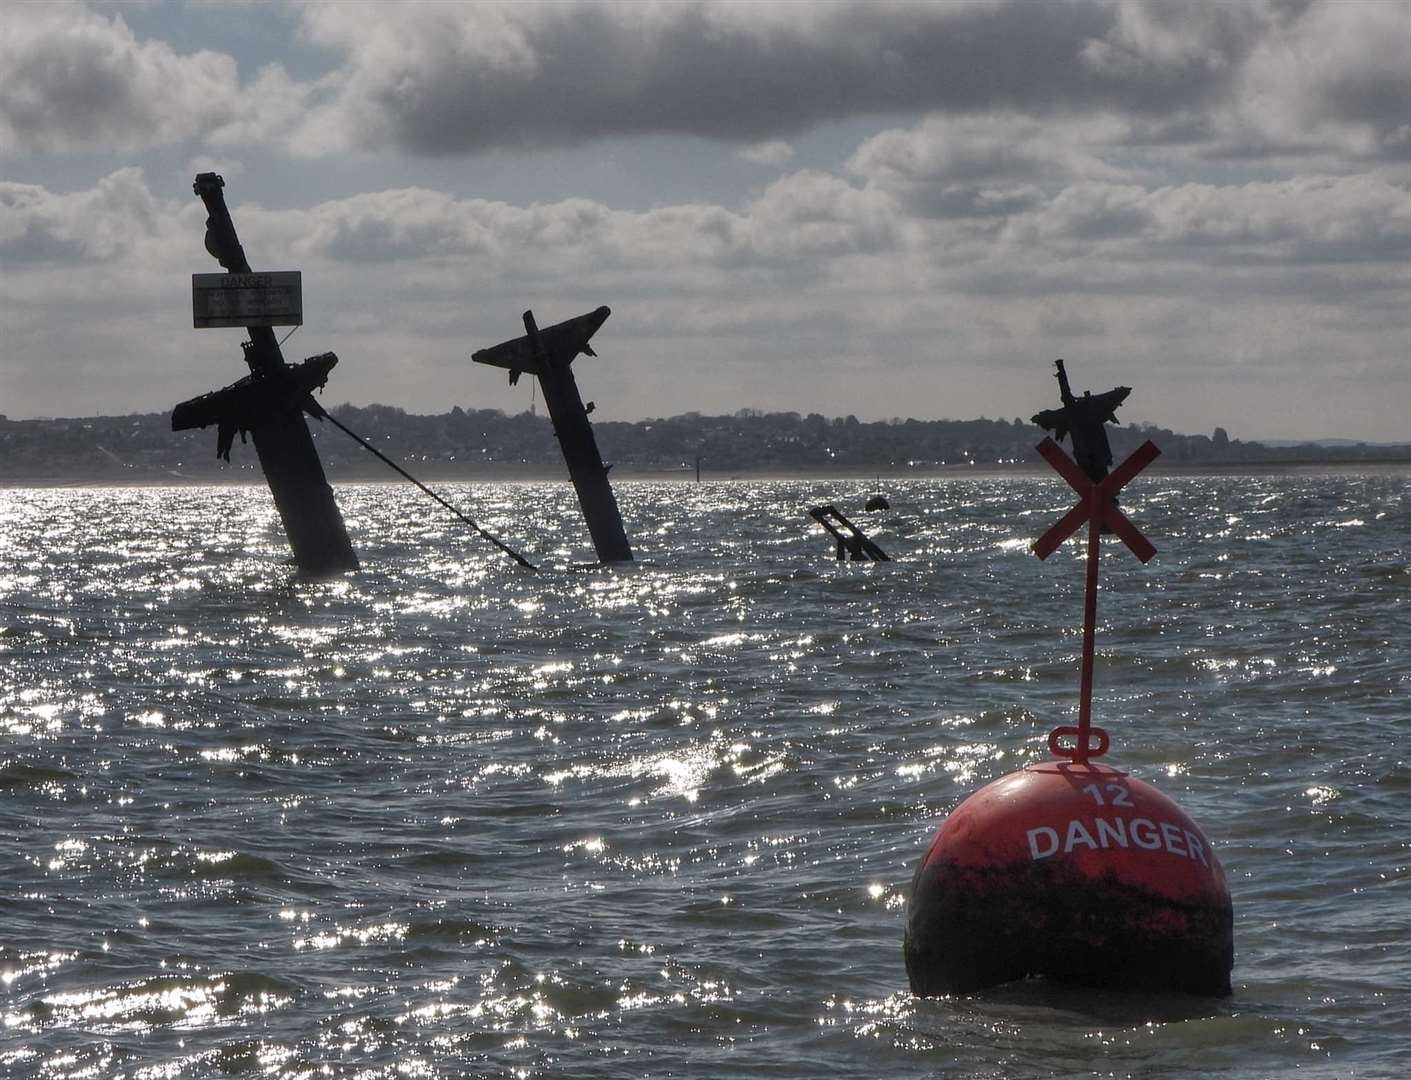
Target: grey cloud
109, 222
816, 271
984, 167
803, 215
79, 80
1069, 321
414, 225
772, 152
442, 79
804, 225
812, 213
1339, 73
34, 243
1164, 53
1222, 77
993, 203
76, 80
1306, 219
1009, 147
408, 224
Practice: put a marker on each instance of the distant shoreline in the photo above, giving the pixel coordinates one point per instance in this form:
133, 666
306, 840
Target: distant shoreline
539, 474
489, 446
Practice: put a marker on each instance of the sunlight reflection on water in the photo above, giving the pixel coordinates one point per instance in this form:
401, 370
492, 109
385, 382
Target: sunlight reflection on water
444, 816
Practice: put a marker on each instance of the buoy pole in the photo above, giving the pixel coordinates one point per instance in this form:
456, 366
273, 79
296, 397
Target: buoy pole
1097, 508
1085, 686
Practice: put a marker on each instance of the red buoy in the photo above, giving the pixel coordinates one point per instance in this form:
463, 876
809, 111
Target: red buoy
1069, 869
1076, 872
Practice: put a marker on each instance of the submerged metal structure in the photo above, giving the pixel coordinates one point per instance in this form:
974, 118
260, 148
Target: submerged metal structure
548, 354
269, 404
1083, 419
852, 542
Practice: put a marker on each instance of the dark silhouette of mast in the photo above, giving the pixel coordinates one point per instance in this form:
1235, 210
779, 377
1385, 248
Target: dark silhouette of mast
548, 354
270, 404
1084, 419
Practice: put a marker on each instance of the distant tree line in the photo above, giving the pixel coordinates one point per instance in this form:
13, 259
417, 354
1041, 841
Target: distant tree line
489, 442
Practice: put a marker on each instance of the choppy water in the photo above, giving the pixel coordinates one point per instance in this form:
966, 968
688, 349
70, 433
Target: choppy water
448, 818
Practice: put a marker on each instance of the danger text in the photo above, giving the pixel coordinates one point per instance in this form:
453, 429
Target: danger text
1103, 833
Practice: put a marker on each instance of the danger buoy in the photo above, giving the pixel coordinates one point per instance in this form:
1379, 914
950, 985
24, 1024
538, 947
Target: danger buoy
1076, 872
1069, 869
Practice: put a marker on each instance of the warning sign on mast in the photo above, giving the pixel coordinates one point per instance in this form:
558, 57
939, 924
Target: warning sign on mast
270, 299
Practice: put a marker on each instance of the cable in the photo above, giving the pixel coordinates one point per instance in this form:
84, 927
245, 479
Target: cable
324, 414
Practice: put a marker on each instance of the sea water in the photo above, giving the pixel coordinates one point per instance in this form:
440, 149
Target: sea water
446, 817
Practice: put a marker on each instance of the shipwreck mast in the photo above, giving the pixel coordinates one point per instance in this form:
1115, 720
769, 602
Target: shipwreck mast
548, 354
270, 404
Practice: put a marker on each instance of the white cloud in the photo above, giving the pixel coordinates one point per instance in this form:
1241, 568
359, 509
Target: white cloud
1156, 43
1006, 147
810, 214
1337, 77
112, 221
229, 168
771, 152
781, 301
1158, 189
443, 79
1229, 78
1240, 77
76, 80
984, 166
802, 215
1359, 220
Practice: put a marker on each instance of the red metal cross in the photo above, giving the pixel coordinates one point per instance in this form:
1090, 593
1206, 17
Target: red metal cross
1098, 499
1098, 507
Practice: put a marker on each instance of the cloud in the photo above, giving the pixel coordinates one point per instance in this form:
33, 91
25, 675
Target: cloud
229, 168
110, 222
407, 224
1167, 54
803, 215
772, 152
810, 214
75, 80
441, 79
1237, 78
1337, 77
984, 167
1212, 78
1306, 220
779, 301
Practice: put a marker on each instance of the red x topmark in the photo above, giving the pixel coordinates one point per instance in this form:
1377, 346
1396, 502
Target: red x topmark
1096, 499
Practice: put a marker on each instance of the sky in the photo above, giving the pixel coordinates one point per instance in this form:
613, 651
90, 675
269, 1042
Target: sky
879, 209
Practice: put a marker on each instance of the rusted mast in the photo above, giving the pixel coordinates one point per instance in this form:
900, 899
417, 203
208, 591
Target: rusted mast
548, 354
285, 448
